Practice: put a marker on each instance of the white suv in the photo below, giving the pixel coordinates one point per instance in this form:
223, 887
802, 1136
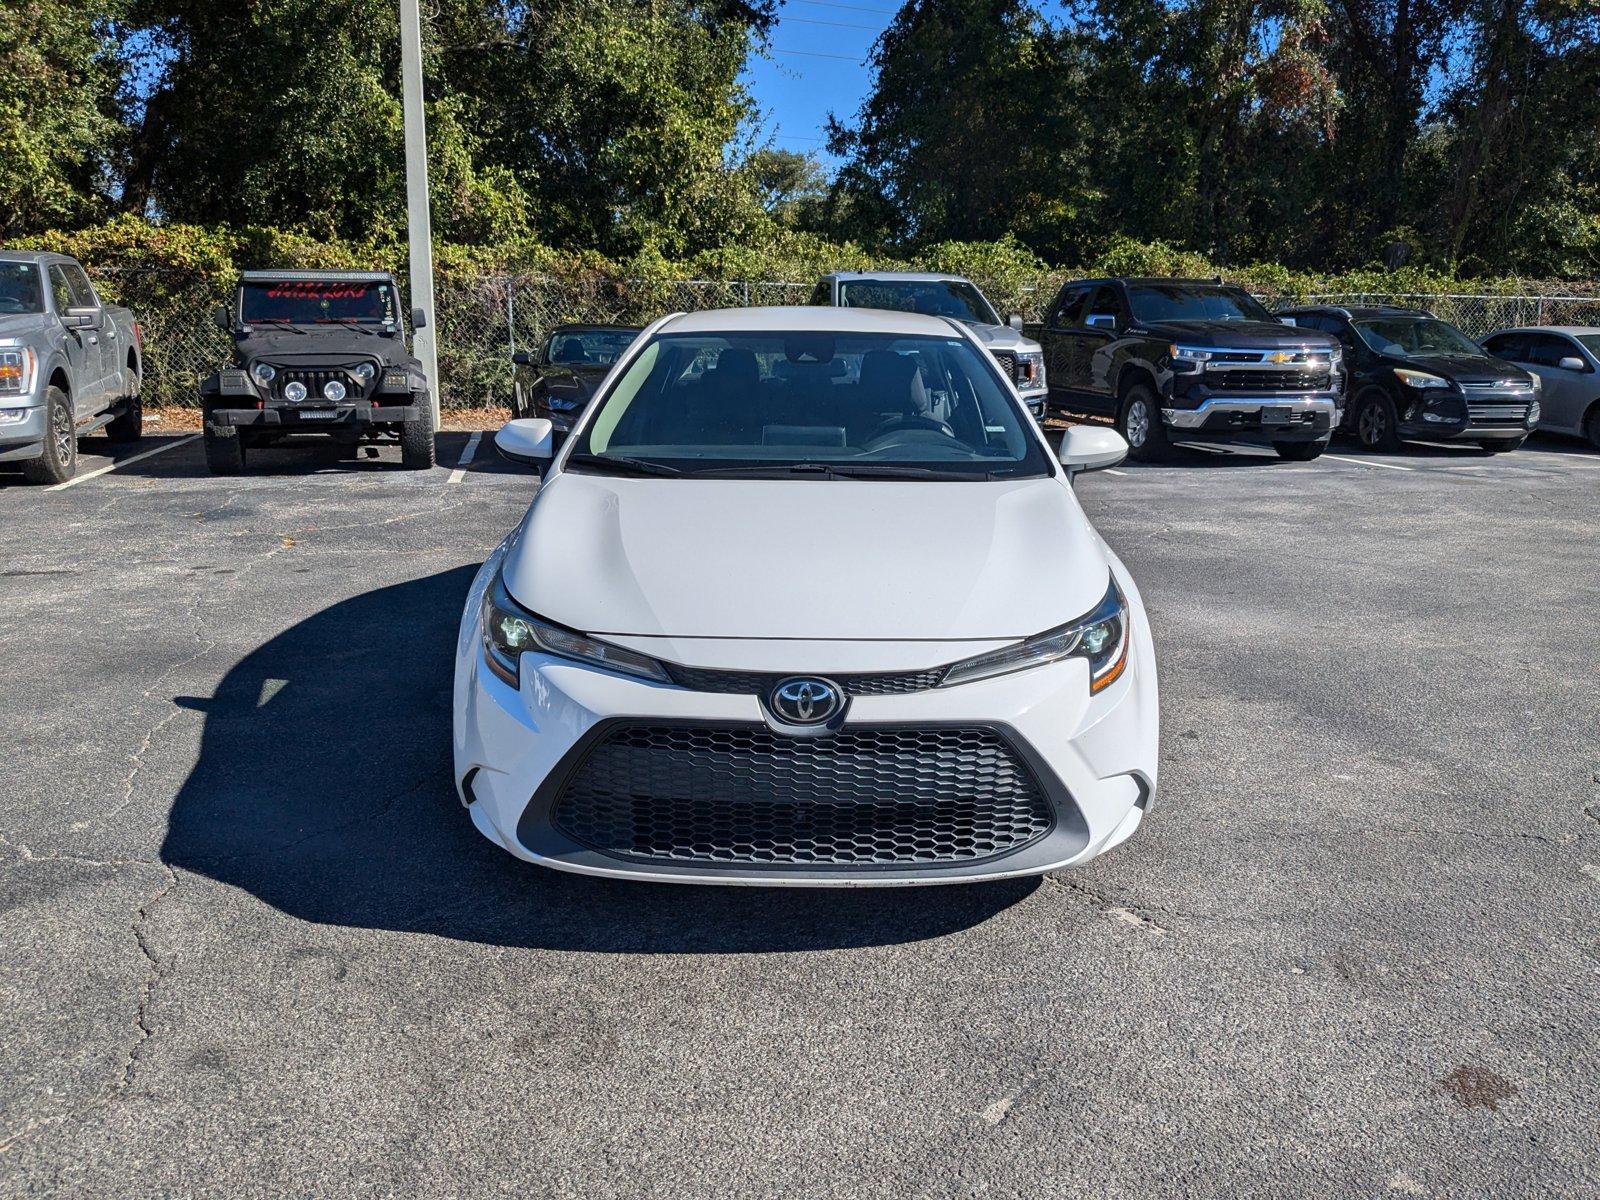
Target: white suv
806, 599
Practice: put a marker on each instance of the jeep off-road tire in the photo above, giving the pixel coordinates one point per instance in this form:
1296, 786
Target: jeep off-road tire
1299, 451
1139, 421
58, 461
129, 426
417, 451
1375, 422
224, 450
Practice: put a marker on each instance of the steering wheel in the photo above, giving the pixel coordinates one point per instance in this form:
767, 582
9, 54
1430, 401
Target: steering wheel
10, 304
894, 424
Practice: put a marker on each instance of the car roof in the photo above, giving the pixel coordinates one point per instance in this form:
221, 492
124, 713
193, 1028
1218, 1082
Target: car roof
590, 327
809, 319
1151, 281
899, 276
34, 256
1357, 311
295, 275
1569, 330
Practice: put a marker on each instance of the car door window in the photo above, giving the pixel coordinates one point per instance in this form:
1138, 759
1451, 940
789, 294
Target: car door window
1068, 310
821, 295
1510, 346
61, 291
1106, 311
82, 293
1547, 350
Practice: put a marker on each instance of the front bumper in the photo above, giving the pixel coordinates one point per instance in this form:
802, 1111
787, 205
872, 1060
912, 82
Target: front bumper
312, 416
1095, 758
22, 431
1282, 418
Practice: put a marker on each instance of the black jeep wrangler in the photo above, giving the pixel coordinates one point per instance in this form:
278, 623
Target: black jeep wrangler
317, 352
1191, 359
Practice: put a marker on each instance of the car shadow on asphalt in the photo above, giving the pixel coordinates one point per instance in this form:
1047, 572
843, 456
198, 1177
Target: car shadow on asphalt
323, 788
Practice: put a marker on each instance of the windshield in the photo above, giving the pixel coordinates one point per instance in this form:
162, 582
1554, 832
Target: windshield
830, 404
594, 347
1415, 337
19, 288
934, 297
1153, 303
316, 302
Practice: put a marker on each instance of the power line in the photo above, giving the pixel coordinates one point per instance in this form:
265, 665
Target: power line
818, 54
830, 24
882, 12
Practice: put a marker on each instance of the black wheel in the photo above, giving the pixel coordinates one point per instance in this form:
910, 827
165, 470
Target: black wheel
1376, 425
1140, 423
1501, 446
1299, 451
58, 462
129, 427
1592, 427
417, 452
224, 450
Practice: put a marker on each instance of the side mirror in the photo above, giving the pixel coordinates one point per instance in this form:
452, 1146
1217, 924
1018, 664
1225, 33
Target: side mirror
419, 319
81, 318
1091, 448
221, 319
1102, 321
1573, 363
1015, 321
522, 358
528, 441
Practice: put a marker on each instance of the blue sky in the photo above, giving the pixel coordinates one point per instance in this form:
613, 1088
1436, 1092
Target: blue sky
815, 64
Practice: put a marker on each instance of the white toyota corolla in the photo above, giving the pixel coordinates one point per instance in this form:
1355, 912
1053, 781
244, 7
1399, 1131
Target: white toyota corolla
806, 599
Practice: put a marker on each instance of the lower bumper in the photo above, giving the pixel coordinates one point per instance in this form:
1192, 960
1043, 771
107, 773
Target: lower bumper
22, 433
312, 417
1095, 758
1288, 415
1463, 431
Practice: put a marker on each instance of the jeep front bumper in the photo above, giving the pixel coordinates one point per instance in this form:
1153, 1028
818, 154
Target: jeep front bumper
316, 416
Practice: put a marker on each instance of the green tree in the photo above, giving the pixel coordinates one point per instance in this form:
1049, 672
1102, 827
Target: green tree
60, 71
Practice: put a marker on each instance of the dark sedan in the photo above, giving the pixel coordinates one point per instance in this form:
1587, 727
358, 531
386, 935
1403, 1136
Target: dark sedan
557, 381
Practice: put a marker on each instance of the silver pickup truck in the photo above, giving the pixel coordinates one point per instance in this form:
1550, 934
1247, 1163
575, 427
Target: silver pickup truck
69, 365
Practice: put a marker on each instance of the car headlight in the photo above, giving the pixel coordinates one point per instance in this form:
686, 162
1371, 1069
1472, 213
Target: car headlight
333, 390
16, 371
1188, 354
264, 373
364, 372
1419, 379
294, 391
1538, 383
1100, 637
509, 630
1030, 369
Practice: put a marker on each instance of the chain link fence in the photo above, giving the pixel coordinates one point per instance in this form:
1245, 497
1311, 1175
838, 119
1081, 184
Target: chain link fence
480, 320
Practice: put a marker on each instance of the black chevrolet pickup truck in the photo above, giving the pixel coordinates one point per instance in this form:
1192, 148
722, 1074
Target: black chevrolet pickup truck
1191, 359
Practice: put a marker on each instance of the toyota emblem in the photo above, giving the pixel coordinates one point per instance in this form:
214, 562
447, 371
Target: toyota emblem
805, 701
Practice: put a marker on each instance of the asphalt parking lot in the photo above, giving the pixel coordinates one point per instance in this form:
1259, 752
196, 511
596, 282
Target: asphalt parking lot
253, 946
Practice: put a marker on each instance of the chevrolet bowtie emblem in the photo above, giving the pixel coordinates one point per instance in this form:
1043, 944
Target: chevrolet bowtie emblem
1278, 356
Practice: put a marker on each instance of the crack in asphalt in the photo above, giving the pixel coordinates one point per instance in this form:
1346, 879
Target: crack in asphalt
27, 854
1128, 913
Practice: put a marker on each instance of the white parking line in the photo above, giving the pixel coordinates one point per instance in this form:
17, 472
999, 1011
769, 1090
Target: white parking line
1361, 462
465, 460
1119, 474
117, 466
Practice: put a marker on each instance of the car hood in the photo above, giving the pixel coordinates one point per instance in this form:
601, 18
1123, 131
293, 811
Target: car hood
1238, 335
1001, 337
22, 326
813, 559
1463, 368
324, 345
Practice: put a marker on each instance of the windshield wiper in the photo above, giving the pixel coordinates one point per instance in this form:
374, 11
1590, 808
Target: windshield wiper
285, 322
829, 470
620, 465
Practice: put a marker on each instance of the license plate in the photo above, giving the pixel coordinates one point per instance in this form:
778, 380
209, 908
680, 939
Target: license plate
1276, 416
318, 414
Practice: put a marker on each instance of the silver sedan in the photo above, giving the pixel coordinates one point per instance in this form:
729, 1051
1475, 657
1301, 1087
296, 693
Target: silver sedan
1566, 358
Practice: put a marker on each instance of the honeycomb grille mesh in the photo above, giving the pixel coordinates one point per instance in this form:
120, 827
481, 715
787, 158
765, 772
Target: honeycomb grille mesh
747, 796
757, 683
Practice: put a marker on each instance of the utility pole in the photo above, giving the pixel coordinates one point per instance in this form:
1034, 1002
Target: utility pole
419, 229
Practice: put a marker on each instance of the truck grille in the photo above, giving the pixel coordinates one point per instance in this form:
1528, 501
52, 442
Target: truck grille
1499, 412
741, 795
315, 380
1266, 381
757, 683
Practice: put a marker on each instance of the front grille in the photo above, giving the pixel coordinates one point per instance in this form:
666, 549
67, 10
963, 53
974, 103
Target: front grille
1508, 388
315, 380
756, 683
1008, 364
1266, 381
1506, 412
745, 796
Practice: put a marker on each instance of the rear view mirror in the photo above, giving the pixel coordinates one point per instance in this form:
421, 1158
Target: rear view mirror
221, 319
1573, 363
522, 358
81, 318
419, 319
1015, 321
528, 441
1091, 448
